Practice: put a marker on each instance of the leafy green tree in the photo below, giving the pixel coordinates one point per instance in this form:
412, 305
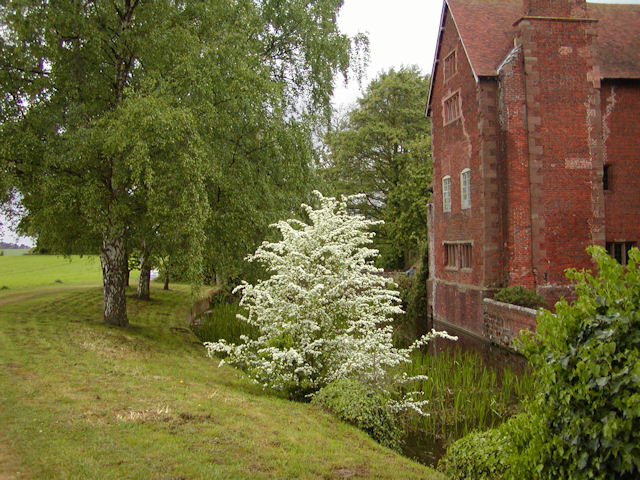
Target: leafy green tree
133, 122
382, 149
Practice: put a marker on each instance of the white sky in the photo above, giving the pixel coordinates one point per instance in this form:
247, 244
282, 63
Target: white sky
401, 32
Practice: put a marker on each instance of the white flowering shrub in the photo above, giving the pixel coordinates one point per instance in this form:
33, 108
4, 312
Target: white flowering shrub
325, 313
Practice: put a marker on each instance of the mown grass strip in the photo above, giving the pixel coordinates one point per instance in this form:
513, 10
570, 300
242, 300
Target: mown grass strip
79, 399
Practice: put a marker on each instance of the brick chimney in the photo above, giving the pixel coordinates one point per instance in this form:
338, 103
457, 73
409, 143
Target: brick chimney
556, 8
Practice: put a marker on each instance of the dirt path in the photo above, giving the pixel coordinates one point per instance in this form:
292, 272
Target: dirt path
41, 292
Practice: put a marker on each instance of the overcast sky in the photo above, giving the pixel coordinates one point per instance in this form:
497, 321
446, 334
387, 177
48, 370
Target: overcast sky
401, 32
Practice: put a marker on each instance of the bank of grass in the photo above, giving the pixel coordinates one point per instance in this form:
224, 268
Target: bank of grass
79, 399
464, 394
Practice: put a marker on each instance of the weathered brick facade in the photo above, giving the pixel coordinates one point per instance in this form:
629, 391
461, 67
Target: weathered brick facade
502, 322
547, 94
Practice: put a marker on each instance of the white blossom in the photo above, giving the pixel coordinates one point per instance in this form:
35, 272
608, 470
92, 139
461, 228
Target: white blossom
324, 313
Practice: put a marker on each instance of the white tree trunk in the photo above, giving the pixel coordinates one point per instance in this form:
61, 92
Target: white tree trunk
114, 270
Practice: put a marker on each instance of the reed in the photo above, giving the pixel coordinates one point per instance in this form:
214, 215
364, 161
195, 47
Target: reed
464, 394
221, 322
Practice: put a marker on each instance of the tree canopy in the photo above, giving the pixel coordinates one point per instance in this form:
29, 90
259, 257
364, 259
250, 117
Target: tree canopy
382, 149
161, 122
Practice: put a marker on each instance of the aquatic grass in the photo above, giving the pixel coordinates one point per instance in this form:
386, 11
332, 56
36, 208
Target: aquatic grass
464, 395
221, 322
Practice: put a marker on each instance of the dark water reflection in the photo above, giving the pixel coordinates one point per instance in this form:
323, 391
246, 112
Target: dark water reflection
428, 448
492, 356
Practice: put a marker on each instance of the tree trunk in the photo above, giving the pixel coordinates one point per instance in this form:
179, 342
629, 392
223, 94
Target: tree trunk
166, 276
145, 276
114, 268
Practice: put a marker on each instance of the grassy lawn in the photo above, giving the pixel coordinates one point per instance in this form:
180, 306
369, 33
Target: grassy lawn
79, 399
37, 275
29, 271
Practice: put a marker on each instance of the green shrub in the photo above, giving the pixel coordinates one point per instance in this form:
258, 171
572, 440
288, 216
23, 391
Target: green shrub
478, 456
360, 405
413, 294
488, 455
587, 360
404, 326
584, 422
518, 295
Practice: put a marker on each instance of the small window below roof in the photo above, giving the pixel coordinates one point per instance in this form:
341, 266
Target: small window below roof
452, 108
465, 189
450, 65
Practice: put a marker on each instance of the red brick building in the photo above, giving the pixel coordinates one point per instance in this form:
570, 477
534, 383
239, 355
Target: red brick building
535, 112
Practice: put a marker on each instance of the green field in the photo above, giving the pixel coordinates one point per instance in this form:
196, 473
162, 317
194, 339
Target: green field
31, 271
82, 400
39, 274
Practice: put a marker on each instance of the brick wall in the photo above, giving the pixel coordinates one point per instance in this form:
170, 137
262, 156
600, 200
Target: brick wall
535, 138
517, 208
621, 133
564, 146
502, 322
459, 145
555, 8
458, 304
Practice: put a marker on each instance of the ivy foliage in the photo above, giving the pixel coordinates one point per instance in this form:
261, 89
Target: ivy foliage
584, 423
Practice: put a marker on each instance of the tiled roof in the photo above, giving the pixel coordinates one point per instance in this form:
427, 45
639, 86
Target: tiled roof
618, 39
487, 31
486, 28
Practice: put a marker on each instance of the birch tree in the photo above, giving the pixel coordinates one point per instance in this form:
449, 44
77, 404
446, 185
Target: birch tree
155, 112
